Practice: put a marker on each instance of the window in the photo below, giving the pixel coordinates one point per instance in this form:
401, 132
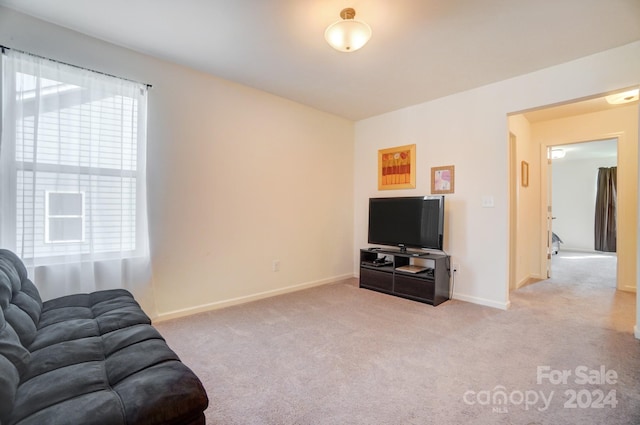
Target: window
64, 217
73, 157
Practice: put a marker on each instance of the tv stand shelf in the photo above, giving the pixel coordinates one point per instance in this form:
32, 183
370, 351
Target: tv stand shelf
430, 286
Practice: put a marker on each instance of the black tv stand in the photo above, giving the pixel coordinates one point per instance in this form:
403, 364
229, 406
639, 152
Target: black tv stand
430, 285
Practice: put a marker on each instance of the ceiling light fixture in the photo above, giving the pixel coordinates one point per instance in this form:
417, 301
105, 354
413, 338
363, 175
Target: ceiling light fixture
624, 97
347, 35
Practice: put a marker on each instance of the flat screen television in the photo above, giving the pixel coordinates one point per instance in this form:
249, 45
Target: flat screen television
407, 222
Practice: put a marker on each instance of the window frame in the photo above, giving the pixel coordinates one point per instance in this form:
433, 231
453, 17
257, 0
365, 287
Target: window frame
48, 216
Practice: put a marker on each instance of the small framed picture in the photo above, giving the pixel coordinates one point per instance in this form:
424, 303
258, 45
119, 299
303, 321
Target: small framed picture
397, 168
443, 179
524, 171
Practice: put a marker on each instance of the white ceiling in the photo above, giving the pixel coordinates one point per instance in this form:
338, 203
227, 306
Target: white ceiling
420, 49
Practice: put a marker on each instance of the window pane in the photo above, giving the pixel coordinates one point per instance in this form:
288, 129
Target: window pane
65, 203
65, 229
76, 127
110, 212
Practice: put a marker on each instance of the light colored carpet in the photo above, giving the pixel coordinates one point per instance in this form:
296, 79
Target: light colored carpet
338, 354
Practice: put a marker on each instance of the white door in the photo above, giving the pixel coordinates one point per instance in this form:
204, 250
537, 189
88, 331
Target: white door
549, 210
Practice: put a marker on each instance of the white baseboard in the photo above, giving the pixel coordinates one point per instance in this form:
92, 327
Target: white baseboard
482, 301
587, 251
577, 249
247, 298
528, 280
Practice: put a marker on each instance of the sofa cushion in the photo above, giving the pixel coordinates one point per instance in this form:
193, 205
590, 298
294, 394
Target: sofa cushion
171, 385
111, 309
13, 362
9, 379
19, 298
88, 409
11, 348
21, 323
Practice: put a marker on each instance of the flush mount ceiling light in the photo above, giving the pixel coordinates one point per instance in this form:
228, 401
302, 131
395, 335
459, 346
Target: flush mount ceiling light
624, 97
347, 35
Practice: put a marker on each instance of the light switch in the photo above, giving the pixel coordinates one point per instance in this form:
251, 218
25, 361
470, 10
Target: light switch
487, 202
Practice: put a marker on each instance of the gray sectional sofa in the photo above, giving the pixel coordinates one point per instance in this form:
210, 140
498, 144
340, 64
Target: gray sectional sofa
87, 359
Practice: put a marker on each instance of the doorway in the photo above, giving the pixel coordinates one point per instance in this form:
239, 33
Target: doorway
574, 179
536, 132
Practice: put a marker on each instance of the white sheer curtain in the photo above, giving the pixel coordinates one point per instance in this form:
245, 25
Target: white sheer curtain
72, 177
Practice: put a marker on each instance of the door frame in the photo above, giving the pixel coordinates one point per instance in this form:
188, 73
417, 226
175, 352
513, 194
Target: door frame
545, 201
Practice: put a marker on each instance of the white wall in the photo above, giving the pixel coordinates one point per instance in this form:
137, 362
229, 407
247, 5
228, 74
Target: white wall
574, 198
470, 130
237, 177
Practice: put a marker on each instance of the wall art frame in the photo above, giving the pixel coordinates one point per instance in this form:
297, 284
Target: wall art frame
443, 179
397, 167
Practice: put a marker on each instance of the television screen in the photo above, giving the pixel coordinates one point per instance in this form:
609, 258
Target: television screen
416, 222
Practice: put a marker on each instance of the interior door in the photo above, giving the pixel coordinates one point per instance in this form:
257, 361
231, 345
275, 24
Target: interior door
549, 211
513, 211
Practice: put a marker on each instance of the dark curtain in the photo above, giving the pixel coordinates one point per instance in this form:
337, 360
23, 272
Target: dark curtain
606, 202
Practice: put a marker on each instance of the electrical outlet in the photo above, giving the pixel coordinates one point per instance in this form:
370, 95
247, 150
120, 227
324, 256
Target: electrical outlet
275, 266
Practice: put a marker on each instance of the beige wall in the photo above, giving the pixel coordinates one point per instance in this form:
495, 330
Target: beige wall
238, 178
622, 123
527, 238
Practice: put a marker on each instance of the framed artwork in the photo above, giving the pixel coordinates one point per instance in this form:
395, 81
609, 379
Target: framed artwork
524, 171
443, 179
397, 168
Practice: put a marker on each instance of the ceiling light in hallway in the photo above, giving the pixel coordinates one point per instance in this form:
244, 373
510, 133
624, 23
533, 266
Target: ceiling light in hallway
624, 97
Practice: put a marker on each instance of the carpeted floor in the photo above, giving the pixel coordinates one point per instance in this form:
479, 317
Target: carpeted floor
337, 354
